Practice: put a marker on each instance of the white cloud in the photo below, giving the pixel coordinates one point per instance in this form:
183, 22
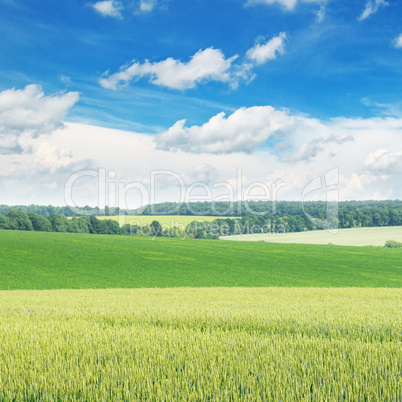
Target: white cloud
40, 175
305, 152
262, 52
385, 162
147, 6
397, 42
337, 139
30, 111
206, 65
267, 145
204, 173
109, 8
242, 131
47, 156
241, 72
320, 13
372, 6
294, 151
355, 183
286, 4
293, 138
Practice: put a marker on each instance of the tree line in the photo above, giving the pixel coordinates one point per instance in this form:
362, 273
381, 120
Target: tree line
348, 216
286, 217
47, 210
19, 220
350, 212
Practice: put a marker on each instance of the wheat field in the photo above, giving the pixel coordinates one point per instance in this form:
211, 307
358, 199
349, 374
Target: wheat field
201, 344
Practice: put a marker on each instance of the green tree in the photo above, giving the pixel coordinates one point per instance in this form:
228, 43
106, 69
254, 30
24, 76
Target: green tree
40, 223
59, 223
78, 225
18, 220
112, 227
156, 229
3, 222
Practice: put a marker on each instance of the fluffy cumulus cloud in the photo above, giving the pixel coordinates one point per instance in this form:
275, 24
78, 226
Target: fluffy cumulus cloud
372, 6
296, 148
385, 162
109, 8
397, 42
242, 131
257, 144
252, 145
269, 50
30, 112
292, 138
206, 65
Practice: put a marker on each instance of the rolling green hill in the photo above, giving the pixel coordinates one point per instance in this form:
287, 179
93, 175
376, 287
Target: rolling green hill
37, 260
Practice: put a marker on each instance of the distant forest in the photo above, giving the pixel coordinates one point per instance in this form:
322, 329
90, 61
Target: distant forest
389, 208
238, 218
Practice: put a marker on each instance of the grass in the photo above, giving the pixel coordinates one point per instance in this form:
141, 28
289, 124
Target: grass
345, 237
201, 344
171, 221
37, 260
235, 320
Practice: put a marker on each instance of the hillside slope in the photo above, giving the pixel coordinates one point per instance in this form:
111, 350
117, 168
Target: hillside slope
38, 260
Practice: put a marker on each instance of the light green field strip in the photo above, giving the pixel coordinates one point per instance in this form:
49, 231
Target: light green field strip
165, 220
344, 237
254, 344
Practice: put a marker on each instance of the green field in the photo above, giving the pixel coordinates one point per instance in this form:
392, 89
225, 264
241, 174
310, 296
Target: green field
235, 320
345, 237
40, 260
166, 220
201, 344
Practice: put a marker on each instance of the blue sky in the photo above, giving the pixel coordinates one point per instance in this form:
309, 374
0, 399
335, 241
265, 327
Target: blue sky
315, 68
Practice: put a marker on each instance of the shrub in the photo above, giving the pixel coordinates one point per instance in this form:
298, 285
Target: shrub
393, 244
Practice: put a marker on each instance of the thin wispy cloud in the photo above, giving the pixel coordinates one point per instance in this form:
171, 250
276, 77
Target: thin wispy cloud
147, 6
397, 42
371, 8
287, 5
109, 8
320, 14
309, 150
